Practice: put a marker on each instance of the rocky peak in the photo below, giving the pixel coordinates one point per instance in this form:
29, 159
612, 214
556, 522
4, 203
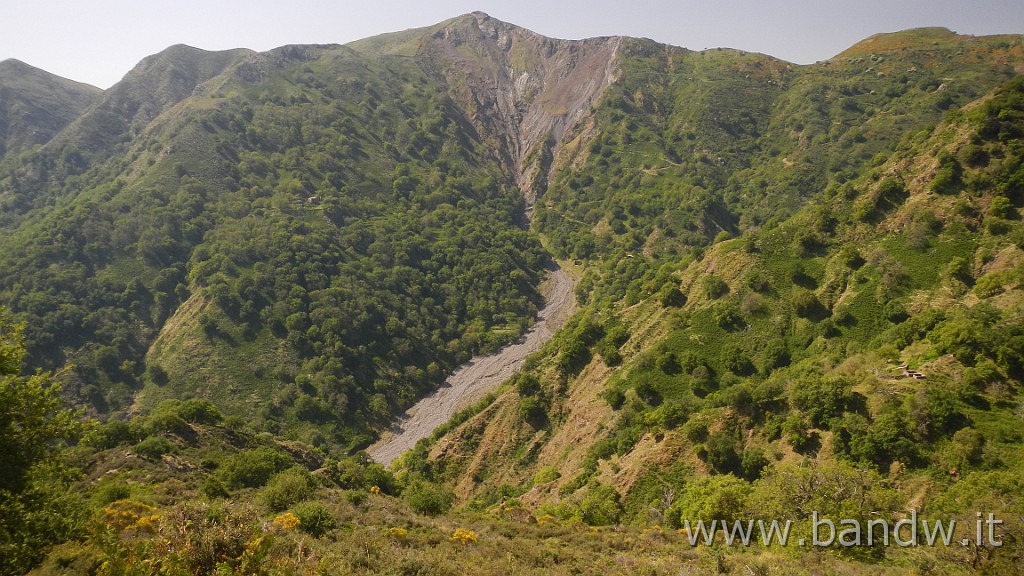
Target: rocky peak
531, 90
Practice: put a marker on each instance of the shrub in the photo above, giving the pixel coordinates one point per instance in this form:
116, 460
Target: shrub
532, 411
166, 422
774, 355
157, 374
109, 435
720, 452
713, 287
428, 499
463, 536
671, 296
314, 518
712, 498
201, 536
614, 397
821, 399
891, 194
546, 474
806, 305
727, 316
252, 468
527, 385
287, 488
198, 411
1001, 207
112, 492
752, 463
735, 360
959, 269
668, 363
154, 447
573, 357
601, 506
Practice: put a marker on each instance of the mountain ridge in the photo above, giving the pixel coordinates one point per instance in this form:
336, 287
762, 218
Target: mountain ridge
35, 105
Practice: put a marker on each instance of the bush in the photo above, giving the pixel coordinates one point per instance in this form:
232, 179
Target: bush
428, 499
314, 518
109, 435
720, 452
157, 374
713, 287
532, 411
821, 399
546, 474
287, 488
252, 468
1001, 207
752, 463
601, 506
154, 447
807, 305
166, 422
670, 296
959, 269
203, 536
614, 397
774, 355
712, 498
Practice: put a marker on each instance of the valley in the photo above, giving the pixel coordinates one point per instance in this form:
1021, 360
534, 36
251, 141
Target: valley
480, 376
295, 311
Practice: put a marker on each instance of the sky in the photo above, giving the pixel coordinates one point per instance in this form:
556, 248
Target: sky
99, 41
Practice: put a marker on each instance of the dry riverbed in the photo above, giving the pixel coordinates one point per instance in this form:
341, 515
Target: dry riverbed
481, 375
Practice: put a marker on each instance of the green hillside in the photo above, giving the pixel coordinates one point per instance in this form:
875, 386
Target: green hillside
35, 105
800, 293
873, 337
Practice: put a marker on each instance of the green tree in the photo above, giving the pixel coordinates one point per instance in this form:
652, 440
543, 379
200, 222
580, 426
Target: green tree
37, 508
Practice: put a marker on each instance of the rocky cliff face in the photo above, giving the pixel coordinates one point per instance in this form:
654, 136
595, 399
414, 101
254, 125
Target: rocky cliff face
527, 91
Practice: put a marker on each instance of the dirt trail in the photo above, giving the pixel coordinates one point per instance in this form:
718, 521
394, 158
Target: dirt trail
482, 374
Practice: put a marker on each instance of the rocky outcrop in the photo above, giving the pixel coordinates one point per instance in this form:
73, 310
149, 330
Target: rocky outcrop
523, 89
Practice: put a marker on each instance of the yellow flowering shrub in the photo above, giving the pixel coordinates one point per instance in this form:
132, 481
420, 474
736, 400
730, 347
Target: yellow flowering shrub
129, 515
286, 521
374, 489
463, 536
398, 533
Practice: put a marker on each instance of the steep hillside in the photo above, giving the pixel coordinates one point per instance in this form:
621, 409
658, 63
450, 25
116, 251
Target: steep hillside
877, 332
690, 144
35, 105
316, 235
92, 150
525, 92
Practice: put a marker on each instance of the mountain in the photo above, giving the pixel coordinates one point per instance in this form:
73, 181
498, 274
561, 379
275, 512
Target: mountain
35, 105
798, 288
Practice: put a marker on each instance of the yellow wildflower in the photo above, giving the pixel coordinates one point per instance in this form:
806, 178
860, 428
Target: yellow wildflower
286, 521
463, 536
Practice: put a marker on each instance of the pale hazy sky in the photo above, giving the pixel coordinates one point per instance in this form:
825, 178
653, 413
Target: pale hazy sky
98, 41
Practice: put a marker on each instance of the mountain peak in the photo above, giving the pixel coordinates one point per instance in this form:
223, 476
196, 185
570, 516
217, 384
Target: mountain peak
13, 63
904, 39
36, 104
